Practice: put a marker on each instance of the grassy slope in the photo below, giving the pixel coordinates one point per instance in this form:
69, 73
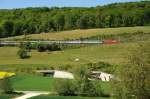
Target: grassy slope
110, 53
77, 34
113, 54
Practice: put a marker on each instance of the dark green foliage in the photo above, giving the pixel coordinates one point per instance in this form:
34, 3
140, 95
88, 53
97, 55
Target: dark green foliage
65, 87
36, 20
53, 47
50, 47
42, 47
85, 86
7, 27
18, 28
22, 53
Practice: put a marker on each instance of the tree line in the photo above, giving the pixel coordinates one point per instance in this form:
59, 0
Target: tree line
42, 19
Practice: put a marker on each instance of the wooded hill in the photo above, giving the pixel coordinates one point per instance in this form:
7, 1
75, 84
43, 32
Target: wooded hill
37, 20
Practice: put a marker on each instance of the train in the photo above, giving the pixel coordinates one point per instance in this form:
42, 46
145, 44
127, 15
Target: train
14, 43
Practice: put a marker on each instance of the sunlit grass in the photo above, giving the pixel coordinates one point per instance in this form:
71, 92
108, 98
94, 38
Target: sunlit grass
77, 34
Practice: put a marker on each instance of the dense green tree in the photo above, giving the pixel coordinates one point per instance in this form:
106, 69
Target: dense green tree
59, 22
18, 28
82, 22
1, 32
7, 27
70, 22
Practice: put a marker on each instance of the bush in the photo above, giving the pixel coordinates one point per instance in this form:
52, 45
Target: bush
65, 87
53, 47
23, 53
86, 87
49, 47
42, 47
5, 85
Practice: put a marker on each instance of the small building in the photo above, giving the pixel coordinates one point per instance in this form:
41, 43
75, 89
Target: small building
56, 74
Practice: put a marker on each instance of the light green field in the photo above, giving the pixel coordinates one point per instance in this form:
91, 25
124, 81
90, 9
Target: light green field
114, 54
77, 34
32, 82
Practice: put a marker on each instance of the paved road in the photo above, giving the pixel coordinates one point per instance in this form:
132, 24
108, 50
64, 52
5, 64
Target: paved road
29, 94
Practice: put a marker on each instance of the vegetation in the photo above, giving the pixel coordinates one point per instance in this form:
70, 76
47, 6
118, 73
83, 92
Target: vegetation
128, 23
22, 53
67, 97
133, 79
50, 47
5, 85
36, 20
80, 86
89, 54
104, 33
65, 87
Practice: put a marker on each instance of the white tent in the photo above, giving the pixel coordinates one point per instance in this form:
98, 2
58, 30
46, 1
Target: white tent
62, 74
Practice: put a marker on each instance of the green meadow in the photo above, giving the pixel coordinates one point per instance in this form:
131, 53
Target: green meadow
113, 54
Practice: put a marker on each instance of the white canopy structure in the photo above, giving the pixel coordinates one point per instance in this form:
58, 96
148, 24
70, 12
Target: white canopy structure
62, 74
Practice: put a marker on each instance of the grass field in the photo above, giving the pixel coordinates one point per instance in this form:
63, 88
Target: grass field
32, 82
77, 34
113, 54
67, 97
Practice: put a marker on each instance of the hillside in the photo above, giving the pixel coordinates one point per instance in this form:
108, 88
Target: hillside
83, 33
106, 57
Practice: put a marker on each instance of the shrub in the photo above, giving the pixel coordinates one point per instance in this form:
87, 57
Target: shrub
23, 53
5, 85
53, 47
86, 87
65, 87
42, 47
49, 47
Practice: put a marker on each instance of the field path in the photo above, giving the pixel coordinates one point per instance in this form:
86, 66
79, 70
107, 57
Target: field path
29, 94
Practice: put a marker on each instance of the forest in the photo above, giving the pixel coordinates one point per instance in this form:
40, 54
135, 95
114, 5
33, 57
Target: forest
30, 20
